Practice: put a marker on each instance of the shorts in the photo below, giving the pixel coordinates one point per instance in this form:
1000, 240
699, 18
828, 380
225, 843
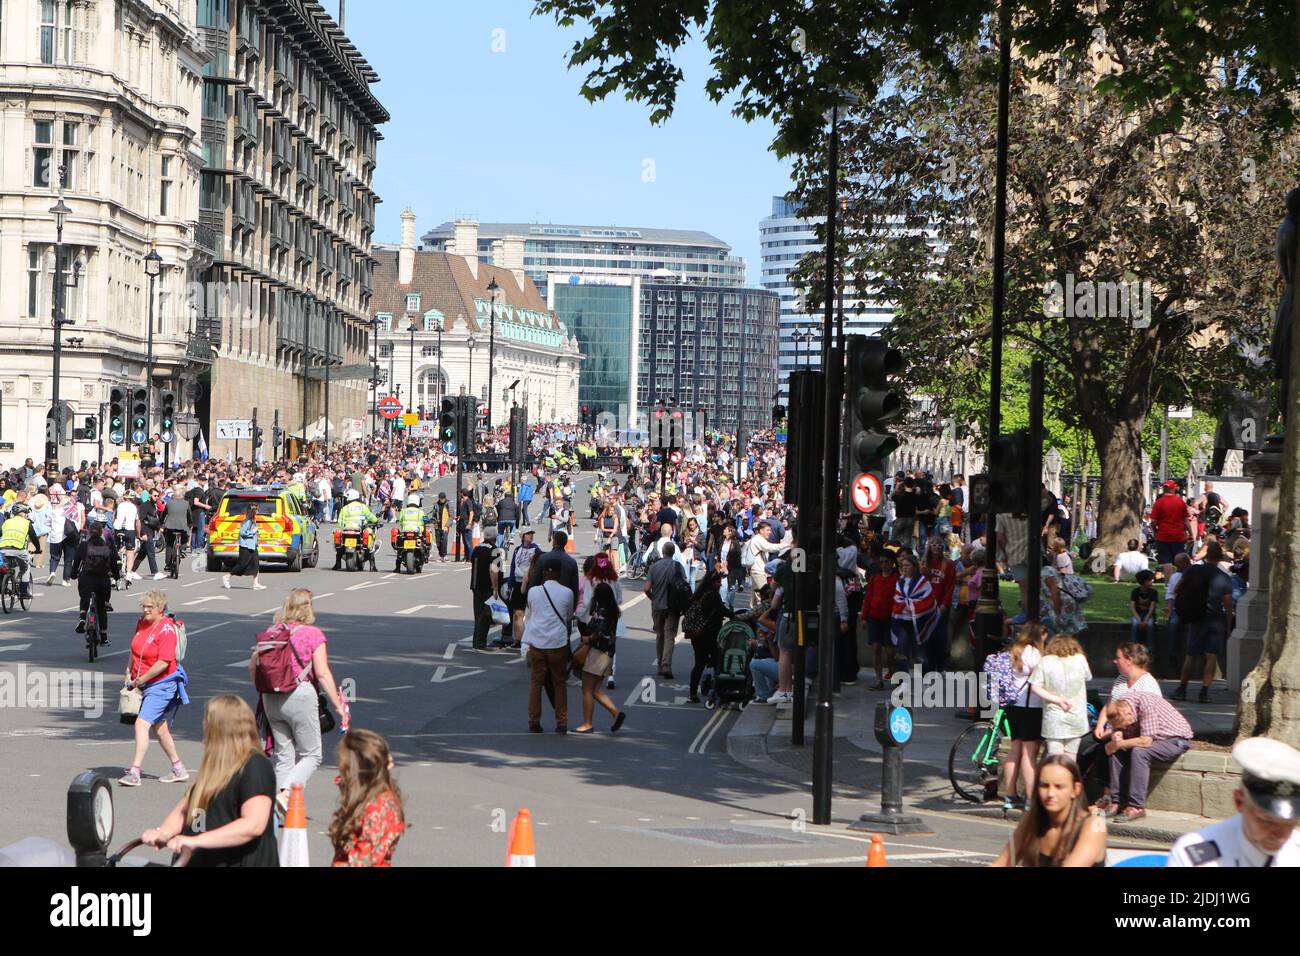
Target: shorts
1206, 637
1019, 572
161, 702
1166, 551
518, 599
1026, 722
787, 634
878, 633
128, 539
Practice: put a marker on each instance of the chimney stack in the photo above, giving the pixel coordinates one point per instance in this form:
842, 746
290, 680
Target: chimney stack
406, 256
509, 253
464, 242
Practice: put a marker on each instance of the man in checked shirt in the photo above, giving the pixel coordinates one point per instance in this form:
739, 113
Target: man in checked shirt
1144, 727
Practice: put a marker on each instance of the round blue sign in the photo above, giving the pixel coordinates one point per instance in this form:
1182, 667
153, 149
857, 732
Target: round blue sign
116, 437
449, 447
900, 725
139, 437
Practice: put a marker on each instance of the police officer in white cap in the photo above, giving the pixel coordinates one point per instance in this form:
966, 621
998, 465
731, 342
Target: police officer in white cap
1266, 829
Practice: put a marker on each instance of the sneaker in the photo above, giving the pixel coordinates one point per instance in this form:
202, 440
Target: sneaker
781, 697
175, 776
1204, 696
759, 702
67, 584
282, 802
50, 580
225, 582
1180, 693
259, 587
160, 575
849, 683
81, 627
130, 779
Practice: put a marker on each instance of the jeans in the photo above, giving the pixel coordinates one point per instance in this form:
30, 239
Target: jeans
440, 536
764, 673
1146, 633
57, 549
1135, 764
505, 529
145, 550
199, 536
482, 618
295, 725
523, 511
466, 544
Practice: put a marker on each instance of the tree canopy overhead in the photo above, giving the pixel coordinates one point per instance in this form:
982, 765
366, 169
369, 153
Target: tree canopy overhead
784, 59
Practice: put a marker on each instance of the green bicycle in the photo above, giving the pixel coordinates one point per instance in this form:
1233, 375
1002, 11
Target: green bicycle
973, 763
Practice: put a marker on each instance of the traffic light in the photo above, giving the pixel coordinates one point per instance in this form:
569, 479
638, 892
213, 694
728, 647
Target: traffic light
805, 443
677, 422
167, 415
277, 434
778, 414
1010, 489
872, 405
91, 429
585, 412
465, 422
140, 413
659, 436
447, 430
257, 436
518, 435
117, 414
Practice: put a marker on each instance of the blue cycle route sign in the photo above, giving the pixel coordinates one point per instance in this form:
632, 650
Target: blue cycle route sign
900, 725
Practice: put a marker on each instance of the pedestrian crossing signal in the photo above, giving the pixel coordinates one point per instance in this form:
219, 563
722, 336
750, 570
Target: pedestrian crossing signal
140, 410
91, 432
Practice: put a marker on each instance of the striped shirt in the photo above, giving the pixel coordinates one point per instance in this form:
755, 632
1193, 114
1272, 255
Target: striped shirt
1013, 540
1156, 718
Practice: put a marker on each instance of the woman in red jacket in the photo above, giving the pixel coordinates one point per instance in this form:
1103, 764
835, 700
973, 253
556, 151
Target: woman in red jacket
877, 610
941, 571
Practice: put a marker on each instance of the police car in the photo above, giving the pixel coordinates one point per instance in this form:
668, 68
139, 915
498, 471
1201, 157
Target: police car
286, 532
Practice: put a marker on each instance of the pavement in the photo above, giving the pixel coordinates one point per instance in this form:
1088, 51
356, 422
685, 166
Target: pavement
760, 741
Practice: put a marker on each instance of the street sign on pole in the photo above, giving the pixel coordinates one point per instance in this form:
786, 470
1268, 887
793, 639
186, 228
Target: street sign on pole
867, 492
410, 419
232, 429
390, 406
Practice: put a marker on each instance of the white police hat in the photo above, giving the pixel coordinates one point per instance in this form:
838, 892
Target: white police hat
1270, 775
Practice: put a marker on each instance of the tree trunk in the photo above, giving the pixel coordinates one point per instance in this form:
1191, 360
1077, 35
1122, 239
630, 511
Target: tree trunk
1119, 504
1269, 702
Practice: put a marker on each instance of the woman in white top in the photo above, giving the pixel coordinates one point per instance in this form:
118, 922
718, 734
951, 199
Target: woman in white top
1025, 715
1061, 680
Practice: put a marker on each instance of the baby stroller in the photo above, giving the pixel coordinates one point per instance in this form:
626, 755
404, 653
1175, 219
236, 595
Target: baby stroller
729, 682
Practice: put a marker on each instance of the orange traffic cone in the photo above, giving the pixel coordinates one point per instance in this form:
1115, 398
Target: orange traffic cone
876, 855
293, 838
520, 838
476, 535
570, 547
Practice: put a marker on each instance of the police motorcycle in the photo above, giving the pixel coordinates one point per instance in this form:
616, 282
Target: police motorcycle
412, 540
355, 541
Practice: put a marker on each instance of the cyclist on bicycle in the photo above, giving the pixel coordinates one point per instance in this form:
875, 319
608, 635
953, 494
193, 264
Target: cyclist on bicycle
176, 526
15, 534
95, 568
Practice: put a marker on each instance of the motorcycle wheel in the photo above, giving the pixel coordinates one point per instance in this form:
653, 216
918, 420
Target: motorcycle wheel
408, 562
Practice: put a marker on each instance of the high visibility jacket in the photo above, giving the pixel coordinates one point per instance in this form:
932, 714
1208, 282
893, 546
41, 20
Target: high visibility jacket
299, 489
411, 519
354, 515
14, 533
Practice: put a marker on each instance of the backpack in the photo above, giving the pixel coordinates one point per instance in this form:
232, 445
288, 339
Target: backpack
337, 488
1002, 678
679, 592
278, 670
694, 619
99, 557
149, 515
181, 639
1193, 596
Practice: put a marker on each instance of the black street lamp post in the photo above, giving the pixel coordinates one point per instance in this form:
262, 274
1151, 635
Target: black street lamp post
492, 343
329, 360
415, 327
153, 269
61, 212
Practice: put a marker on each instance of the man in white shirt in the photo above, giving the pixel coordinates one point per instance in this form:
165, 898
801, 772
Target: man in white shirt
124, 524
546, 636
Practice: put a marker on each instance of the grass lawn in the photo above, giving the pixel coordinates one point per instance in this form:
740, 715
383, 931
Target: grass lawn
1109, 600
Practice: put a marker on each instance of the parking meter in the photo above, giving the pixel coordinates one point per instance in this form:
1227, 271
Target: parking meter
893, 731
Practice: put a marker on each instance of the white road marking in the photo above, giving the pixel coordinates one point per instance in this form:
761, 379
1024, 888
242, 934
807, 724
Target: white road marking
190, 633
716, 727
708, 724
267, 611
412, 610
243, 663
194, 584
366, 584
890, 857
15, 647
439, 675
447, 654
401, 687
633, 602
65, 610
317, 597
205, 600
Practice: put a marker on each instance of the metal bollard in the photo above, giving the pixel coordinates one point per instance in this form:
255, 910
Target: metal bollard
893, 731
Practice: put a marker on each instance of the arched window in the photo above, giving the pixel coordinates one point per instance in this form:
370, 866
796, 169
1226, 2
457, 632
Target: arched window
430, 387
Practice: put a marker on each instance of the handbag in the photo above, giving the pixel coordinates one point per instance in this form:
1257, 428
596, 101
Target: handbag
1076, 587
695, 618
322, 705
128, 704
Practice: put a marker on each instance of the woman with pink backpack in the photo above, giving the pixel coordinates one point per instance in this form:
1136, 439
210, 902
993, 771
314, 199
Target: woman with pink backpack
290, 668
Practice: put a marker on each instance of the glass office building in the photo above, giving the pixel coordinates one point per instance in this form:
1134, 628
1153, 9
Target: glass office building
600, 311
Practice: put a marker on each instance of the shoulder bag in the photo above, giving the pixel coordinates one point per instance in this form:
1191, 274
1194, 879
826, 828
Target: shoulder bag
576, 658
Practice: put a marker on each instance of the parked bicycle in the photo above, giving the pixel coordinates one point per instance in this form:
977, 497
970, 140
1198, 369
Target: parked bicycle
974, 763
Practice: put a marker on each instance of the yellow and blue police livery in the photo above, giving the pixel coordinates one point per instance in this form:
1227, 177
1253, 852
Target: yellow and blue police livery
286, 531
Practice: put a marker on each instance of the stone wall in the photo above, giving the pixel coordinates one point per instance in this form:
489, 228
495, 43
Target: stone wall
1198, 782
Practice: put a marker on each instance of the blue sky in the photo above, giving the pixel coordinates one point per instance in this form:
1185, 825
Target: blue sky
506, 136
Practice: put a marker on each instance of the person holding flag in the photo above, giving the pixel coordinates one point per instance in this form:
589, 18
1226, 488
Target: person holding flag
916, 612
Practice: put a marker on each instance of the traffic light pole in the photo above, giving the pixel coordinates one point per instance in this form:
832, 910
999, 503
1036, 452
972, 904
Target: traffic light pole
988, 609
833, 363
1034, 579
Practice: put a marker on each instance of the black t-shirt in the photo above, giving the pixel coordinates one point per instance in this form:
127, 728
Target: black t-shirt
904, 503
480, 571
256, 779
1142, 599
667, 515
